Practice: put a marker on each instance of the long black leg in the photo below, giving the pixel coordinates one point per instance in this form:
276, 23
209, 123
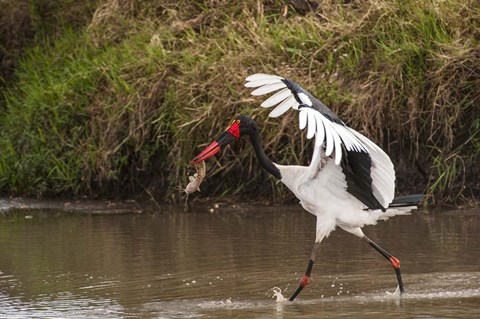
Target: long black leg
306, 278
394, 261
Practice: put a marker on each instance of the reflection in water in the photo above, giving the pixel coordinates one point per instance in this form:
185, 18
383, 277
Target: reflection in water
172, 264
62, 305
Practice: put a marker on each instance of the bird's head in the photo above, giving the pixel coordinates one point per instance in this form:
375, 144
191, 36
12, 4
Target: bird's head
240, 126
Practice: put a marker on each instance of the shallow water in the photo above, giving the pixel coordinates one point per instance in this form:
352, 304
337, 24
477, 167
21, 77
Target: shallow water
172, 264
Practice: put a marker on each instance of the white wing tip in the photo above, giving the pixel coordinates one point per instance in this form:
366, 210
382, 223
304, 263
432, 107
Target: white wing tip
260, 76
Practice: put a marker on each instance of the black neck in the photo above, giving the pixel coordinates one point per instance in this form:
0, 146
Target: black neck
266, 163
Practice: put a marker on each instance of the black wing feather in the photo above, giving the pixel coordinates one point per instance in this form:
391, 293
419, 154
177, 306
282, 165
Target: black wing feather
357, 167
316, 103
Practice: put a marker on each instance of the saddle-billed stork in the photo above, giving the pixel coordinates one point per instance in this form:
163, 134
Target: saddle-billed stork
350, 181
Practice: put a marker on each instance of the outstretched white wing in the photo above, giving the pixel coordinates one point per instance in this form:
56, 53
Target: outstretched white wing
326, 127
376, 173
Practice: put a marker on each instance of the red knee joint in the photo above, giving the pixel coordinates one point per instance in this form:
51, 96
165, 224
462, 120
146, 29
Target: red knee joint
305, 280
395, 262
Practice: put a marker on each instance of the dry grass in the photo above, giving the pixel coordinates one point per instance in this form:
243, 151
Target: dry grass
163, 78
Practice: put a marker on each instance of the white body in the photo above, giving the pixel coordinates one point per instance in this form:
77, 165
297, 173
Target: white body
325, 196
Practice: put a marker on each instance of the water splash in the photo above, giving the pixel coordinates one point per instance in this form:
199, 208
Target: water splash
277, 293
396, 293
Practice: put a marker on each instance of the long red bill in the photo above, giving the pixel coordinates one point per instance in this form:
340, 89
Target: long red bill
211, 150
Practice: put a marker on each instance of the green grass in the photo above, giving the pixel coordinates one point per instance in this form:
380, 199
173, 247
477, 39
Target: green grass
118, 106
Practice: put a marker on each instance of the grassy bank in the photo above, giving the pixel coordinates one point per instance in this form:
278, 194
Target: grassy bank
118, 105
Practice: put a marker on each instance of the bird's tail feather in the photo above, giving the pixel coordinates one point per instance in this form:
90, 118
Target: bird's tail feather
406, 200
401, 205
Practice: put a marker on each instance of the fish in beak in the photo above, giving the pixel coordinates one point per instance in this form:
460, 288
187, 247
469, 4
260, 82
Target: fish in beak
231, 134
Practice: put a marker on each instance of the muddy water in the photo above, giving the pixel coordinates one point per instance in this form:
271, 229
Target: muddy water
171, 264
